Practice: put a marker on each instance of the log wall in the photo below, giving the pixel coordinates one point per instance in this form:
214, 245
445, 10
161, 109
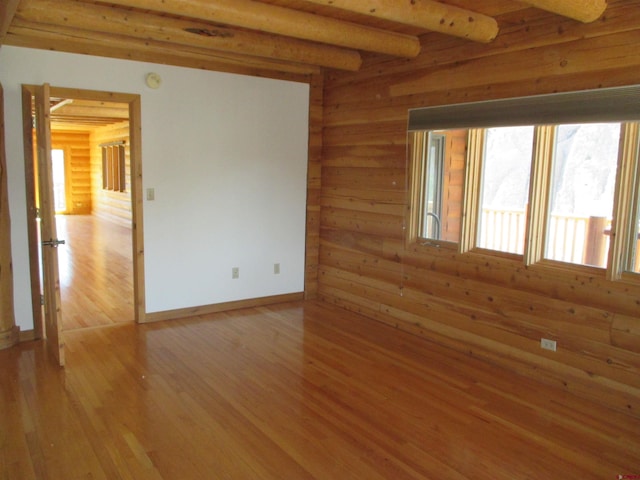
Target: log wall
314, 173
76, 148
115, 206
9, 332
490, 306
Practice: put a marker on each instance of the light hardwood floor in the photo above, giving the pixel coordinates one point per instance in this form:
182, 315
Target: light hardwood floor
96, 279
291, 391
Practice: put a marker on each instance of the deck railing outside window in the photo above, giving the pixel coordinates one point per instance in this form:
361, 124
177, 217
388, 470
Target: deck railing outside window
573, 239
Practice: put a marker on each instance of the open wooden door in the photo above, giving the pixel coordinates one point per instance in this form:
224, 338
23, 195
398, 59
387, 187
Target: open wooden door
49, 240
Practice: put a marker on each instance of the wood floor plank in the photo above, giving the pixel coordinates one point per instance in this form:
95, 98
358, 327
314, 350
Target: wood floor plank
96, 279
293, 391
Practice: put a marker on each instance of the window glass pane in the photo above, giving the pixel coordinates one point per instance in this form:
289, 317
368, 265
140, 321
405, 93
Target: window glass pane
582, 191
635, 265
442, 184
433, 183
505, 188
634, 254
59, 194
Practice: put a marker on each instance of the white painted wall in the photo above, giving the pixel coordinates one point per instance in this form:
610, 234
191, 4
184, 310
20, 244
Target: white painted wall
227, 157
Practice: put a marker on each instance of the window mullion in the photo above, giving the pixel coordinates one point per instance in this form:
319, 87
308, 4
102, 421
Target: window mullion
415, 186
539, 192
472, 192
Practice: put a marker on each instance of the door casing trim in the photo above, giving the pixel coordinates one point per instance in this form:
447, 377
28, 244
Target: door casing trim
137, 233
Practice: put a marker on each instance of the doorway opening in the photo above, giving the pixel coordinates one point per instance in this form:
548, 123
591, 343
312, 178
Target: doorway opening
101, 275
95, 263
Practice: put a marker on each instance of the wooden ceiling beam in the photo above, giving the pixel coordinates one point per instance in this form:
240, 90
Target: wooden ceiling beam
163, 29
79, 120
92, 111
582, 10
427, 14
285, 21
33, 35
8, 10
60, 104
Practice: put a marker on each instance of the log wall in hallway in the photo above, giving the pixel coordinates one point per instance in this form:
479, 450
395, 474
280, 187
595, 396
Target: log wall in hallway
111, 205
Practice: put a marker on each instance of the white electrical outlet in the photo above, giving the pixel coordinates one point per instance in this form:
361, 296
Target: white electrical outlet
235, 272
547, 344
276, 268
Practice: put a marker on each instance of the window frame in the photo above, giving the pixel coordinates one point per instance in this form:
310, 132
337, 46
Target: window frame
624, 230
418, 143
545, 156
579, 109
114, 167
415, 149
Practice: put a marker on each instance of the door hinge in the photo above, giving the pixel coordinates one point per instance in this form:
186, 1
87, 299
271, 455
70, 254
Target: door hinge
37, 212
41, 299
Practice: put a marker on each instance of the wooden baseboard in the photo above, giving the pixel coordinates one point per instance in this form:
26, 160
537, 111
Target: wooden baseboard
9, 338
27, 335
221, 307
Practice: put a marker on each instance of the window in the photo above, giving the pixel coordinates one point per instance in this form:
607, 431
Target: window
438, 177
625, 248
633, 264
506, 166
554, 178
585, 158
113, 167
59, 180
634, 254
